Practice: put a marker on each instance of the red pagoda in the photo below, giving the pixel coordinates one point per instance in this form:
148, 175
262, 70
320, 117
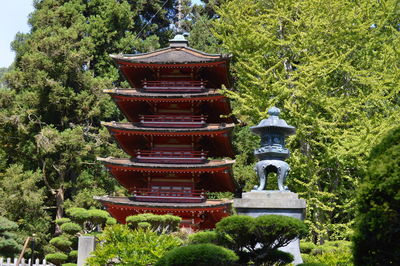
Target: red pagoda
178, 120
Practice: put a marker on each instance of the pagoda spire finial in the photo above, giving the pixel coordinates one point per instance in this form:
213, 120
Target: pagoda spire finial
180, 17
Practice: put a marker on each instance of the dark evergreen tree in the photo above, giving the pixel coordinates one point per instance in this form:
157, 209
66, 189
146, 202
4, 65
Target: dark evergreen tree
376, 240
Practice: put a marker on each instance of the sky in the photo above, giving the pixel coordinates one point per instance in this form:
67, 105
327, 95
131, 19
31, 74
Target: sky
13, 18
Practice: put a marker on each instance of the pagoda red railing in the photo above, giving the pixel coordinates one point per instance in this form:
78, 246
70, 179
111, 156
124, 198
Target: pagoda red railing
174, 86
169, 195
170, 156
173, 120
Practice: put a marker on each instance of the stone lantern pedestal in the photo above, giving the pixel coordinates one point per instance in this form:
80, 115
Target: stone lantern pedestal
257, 203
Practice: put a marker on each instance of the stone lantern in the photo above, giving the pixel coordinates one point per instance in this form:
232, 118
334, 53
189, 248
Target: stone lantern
272, 153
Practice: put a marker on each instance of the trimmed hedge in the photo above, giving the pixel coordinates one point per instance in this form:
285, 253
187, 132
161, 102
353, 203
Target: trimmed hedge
61, 242
71, 228
199, 255
62, 221
167, 223
56, 258
204, 237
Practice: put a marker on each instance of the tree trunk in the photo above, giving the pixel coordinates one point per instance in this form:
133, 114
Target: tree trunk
59, 207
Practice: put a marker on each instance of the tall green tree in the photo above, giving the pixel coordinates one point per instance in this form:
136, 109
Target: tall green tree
51, 113
332, 67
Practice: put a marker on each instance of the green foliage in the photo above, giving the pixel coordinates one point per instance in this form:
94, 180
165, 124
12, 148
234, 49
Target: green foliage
111, 221
71, 228
307, 247
131, 247
200, 254
325, 67
62, 221
312, 264
61, 242
258, 239
10, 244
330, 253
69, 264
56, 258
73, 254
204, 237
160, 223
378, 217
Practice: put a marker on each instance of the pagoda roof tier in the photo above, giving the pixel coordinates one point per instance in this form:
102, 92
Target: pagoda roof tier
202, 215
214, 175
134, 103
213, 138
136, 95
138, 67
137, 129
171, 55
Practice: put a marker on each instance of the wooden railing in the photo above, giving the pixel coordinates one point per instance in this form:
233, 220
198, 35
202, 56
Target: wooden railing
173, 120
170, 156
170, 195
174, 86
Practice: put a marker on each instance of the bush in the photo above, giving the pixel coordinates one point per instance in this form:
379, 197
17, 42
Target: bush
201, 254
204, 237
307, 247
62, 221
376, 240
165, 223
10, 243
98, 216
56, 258
71, 228
257, 239
79, 215
330, 253
131, 247
61, 243
73, 254
276, 231
111, 221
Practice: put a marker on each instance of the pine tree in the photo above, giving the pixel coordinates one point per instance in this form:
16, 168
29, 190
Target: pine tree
332, 69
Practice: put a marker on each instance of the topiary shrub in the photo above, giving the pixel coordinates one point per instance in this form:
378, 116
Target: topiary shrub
98, 216
160, 223
111, 221
62, 221
71, 228
201, 254
10, 243
73, 254
258, 239
204, 237
61, 243
79, 215
56, 258
377, 234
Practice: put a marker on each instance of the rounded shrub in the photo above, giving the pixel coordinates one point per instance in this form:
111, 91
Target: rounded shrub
201, 255
61, 242
376, 238
111, 221
168, 223
56, 258
73, 254
78, 214
63, 221
235, 231
144, 225
203, 237
71, 228
98, 216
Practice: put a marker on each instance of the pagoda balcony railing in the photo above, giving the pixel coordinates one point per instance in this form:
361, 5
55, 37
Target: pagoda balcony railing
170, 195
174, 86
171, 156
173, 120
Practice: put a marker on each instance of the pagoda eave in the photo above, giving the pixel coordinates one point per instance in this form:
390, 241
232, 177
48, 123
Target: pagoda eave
202, 215
132, 165
135, 95
133, 129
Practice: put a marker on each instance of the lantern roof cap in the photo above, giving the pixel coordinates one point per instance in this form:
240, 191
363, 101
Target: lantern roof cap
273, 123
